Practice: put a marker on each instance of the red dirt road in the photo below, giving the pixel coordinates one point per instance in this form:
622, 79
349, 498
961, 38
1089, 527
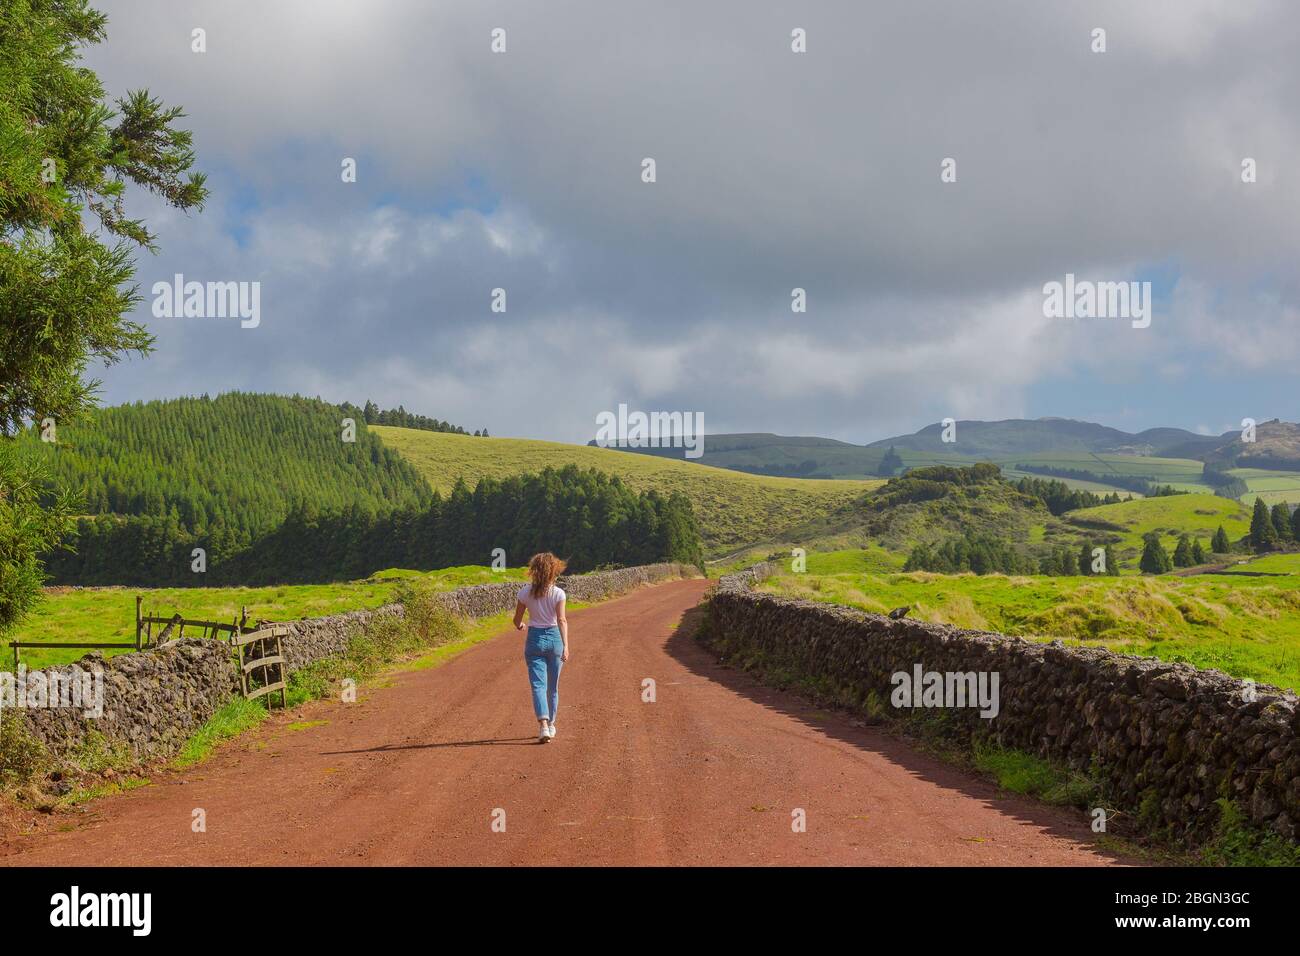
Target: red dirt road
708, 774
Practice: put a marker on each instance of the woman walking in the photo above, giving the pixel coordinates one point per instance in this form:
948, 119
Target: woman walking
547, 646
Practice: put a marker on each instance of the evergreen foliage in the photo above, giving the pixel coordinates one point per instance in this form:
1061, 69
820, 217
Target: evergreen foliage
1282, 521
1220, 543
1263, 533
1155, 559
229, 468
67, 156
399, 417
588, 517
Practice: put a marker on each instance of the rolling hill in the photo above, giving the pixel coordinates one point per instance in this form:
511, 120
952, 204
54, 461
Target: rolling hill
929, 506
1084, 455
240, 461
1020, 436
1196, 514
1276, 448
733, 509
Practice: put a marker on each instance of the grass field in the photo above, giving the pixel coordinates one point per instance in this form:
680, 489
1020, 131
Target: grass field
1245, 626
733, 508
108, 614
1196, 514
1272, 486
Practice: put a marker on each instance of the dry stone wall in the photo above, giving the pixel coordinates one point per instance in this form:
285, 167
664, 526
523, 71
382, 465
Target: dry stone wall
154, 700
1168, 740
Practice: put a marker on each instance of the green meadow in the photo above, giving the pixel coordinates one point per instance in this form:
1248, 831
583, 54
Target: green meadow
1195, 514
1245, 626
108, 614
1272, 486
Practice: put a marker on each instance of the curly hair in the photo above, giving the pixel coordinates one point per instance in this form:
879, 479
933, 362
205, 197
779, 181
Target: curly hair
544, 568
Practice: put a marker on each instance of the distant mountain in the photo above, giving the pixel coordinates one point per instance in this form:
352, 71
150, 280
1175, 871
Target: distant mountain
1019, 436
1276, 446
1006, 442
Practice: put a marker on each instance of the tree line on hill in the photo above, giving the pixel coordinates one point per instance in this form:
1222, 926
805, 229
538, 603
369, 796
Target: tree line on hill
372, 414
1224, 484
586, 516
1143, 486
1188, 553
936, 481
1270, 530
1275, 529
1060, 497
987, 554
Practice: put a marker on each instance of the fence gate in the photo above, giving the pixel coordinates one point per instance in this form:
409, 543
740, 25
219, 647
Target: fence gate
261, 657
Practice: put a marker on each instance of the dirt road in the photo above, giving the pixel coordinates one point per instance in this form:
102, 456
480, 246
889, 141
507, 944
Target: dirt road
417, 772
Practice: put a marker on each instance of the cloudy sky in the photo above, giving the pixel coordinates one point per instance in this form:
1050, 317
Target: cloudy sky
522, 170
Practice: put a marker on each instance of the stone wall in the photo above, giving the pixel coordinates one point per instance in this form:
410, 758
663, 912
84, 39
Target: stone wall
154, 700
313, 638
1167, 739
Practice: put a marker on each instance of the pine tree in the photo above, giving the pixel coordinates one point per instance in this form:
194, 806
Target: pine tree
1086, 559
1282, 521
1155, 560
1263, 535
66, 251
890, 463
1198, 552
1183, 552
1220, 544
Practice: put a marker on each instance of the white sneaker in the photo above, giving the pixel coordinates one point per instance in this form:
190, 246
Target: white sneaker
550, 731
543, 736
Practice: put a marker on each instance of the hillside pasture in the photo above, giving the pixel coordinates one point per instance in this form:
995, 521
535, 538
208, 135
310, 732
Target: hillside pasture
1129, 521
1272, 486
734, 509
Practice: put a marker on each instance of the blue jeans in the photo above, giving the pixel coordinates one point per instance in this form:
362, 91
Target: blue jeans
542, 650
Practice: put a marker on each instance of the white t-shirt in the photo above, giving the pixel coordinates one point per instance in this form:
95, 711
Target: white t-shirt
541, 610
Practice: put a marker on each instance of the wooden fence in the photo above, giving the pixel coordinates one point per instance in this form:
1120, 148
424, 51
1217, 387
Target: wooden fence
260, 654
171, 628
266, 658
